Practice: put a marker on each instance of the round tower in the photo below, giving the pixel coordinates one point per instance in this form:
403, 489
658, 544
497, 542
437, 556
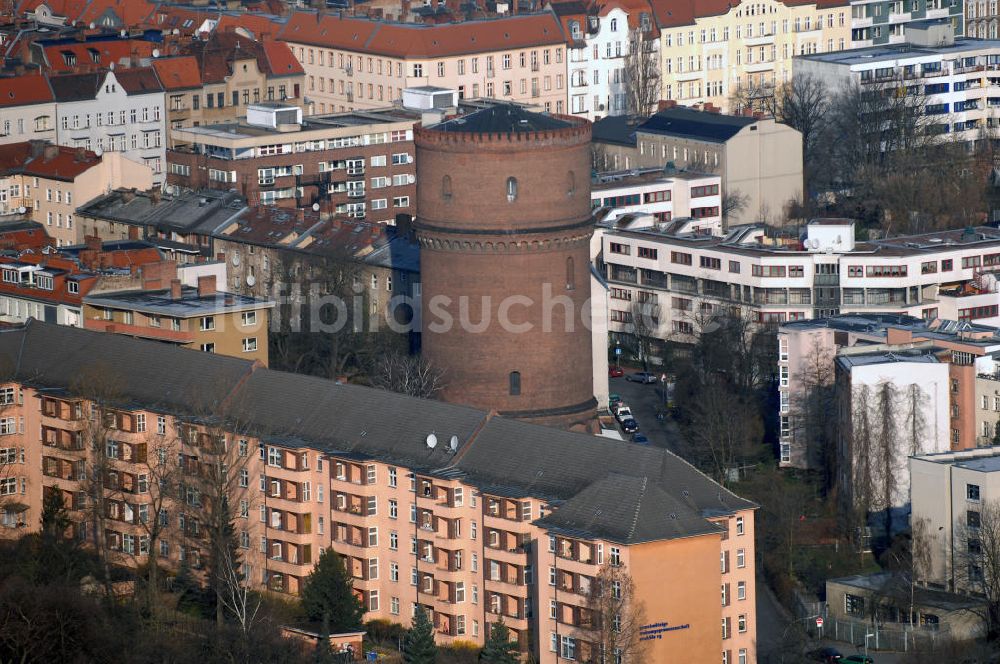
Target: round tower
504, 224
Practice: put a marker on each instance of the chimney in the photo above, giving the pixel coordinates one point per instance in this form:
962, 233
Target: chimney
133, 232
664, 104
50, 152
81, 154
175, 289
404, 226
155, 195
300, 215
93, 242
206, 285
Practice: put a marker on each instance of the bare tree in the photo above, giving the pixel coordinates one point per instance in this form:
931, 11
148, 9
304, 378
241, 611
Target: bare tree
803, 103
752, 97
916, 418
725, 429
235, 596
860, 434
643, 328
921, 542
734, 203
412, 375
616, 618
163, 472
977, 559
812, 417
642, 74
886, 458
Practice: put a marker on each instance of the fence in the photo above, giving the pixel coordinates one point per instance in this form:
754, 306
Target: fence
900, 638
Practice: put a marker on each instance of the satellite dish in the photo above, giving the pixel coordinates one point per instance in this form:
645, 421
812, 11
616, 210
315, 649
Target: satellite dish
315, 207
236, 259
176, 31
92, 25
99, 152
22, 210
251, 280
124, 33
156, 52
453, 443
432, 441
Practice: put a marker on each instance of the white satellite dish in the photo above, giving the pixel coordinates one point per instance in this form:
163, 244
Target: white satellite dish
22, 210
98, 152
236, 259
315, 207
251, 280
432, 441
92, 25
453, 443
124, 33
156, 52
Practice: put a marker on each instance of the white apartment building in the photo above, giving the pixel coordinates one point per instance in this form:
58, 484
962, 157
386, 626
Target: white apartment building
960, 78
663, 197
114, 111
948, 494
598, 43
691, 278
878, 22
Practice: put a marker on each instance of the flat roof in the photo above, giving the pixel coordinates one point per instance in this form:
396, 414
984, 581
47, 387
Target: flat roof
240, 129
869, 54
190, 303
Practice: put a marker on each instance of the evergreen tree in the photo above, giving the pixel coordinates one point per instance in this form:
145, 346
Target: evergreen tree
418, 645
55, 518
323, 653
327, 593
499, 649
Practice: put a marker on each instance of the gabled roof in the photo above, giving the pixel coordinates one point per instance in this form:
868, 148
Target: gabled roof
38, 160
216, 54
178, 73
602, 488
76, 87
418, 40
94, 54
280, 60
138, 80
258, 27
25, 90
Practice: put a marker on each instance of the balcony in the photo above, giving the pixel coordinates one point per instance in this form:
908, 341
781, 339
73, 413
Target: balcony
355, 193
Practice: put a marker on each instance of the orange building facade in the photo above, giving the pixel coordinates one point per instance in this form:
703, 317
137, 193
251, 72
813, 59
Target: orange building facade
447, 526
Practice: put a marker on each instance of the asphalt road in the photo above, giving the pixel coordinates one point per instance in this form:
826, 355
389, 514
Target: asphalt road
645, 401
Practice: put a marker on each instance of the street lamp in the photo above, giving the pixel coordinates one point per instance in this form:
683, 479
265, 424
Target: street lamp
784, 633
868, 635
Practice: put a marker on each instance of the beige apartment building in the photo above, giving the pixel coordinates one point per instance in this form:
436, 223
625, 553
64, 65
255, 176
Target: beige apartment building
718, 52
354, 63
486, 519
52, 181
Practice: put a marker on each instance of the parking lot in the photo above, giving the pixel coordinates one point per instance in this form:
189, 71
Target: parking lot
645, 401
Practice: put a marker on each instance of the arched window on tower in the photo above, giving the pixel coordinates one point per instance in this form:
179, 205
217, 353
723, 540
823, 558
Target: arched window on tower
570, 278
570, 183
446, 187
511, 189
515, 383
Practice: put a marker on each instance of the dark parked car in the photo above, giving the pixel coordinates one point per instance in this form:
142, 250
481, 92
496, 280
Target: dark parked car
630, 425
825, 655
644, 377
640, 439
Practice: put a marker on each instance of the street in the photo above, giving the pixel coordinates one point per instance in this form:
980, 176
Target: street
645, 402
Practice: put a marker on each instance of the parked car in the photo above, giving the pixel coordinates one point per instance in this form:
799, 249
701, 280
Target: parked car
644, 377
826, 655
640, 439
615, 372
623, 412
629, 425
613, 401
856, 659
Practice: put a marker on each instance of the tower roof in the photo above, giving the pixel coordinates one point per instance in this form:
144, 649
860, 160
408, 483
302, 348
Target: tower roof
502, 119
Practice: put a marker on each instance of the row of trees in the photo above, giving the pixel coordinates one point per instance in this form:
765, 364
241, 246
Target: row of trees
881, 156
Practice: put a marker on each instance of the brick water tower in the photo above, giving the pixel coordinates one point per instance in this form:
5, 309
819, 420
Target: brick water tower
504, 224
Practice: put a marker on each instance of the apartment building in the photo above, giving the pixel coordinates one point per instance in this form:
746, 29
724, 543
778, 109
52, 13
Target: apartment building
957, 77
887, 21
180, 225
662, 195
202, 317
598, 39
950, 493
51, 181
354, 63
114, 111
267, 246
28, 109
468, 514
981, 19
756, 157
359, 164
714, 52
215, 80
808, 350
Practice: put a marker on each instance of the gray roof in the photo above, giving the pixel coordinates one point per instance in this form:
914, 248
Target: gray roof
607, 488
189, 304
502, 119
191, 212
690, 123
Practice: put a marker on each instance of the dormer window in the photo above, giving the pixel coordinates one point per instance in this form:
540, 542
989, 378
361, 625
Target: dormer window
69, 58
95, 55
574, 30
73, 287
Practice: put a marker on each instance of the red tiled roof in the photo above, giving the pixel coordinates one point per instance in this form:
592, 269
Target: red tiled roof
66, 164
259, 27
138, 80
178, 73
280, 60
27, 235
112, 51
411, 40
675, 13
131, 12
24, 90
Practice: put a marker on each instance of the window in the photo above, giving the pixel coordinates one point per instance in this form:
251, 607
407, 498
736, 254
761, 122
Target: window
739, 525
615, 559
680, 258
741, 558
511, 189
250, 344
972, 492
647, 252
207, 323
741, 590
373, 536
249, 318
515, 383
711, 263
854, 605
392, 477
